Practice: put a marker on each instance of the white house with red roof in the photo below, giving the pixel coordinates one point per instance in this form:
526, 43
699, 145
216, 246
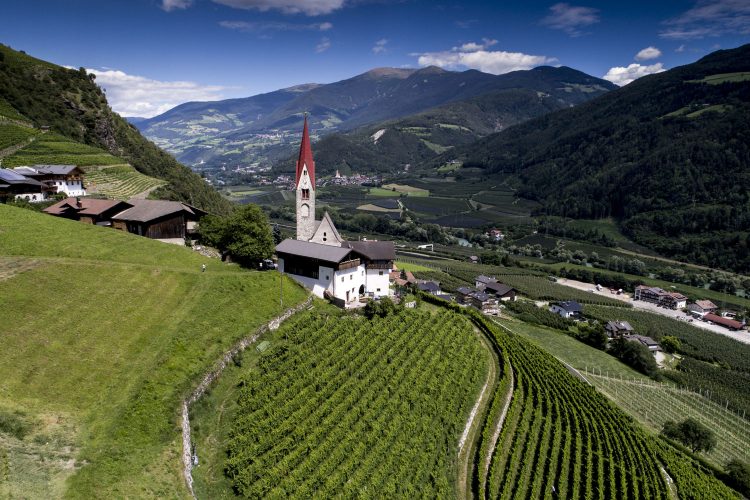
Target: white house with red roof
320, 258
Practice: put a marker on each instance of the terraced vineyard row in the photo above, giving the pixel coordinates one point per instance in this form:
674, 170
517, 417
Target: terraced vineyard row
562, 439
56, 149
120, 181
654, 403
10, 135
349, 407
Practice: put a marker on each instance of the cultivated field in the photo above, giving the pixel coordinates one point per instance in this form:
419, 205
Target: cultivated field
339, 405
119, 181
52, 148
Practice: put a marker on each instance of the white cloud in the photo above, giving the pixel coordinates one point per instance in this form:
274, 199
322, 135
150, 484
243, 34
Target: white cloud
379, 47
308, 7
710, 18
570, 18
681, 48
622, 76
648, 53
170, 5
323, 45
264, 27
476, 56
132, 95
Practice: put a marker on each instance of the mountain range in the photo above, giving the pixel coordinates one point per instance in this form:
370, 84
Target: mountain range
264, 127
668, 155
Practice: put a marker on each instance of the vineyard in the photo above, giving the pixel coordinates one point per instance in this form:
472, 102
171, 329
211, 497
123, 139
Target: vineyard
562, 439
10, 135
347, 406
653, 404
532, 284
54, 149
119, 181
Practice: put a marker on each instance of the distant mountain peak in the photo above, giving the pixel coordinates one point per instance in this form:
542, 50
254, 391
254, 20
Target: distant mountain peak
390, 72
431, 70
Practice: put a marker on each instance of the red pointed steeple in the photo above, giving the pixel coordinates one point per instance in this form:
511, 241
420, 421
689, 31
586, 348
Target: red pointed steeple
305, 157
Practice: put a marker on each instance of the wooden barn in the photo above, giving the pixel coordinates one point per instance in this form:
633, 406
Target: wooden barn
158, 219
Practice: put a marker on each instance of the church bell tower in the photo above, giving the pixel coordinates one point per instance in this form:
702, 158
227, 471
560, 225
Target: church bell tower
305, 188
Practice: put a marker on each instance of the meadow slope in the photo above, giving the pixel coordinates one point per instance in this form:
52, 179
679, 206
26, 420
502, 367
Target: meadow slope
102, 333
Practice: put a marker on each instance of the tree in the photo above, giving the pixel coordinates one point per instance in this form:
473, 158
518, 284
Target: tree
739, 473
635, 355
670, 343
691, 433
245, 234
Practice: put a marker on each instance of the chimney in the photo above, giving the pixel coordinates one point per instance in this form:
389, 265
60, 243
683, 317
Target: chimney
78, 202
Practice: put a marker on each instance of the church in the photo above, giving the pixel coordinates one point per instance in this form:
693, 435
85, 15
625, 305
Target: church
320, 259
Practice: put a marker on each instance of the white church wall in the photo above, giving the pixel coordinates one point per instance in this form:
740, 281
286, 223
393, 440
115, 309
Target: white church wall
347, 283
378, 282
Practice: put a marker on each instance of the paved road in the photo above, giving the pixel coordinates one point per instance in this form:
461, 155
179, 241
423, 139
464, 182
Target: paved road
742, 336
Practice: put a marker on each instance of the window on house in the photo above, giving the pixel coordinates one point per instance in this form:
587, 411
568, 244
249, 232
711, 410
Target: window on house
351, 277
342, 279
327, 278
378, 289
380, 273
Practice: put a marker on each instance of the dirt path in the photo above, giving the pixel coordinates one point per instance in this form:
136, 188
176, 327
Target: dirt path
498, 428
473, 426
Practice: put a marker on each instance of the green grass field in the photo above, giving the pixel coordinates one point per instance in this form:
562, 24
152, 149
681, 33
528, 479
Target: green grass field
103, 333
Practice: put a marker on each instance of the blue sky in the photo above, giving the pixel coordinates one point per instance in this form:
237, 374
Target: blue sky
151, 55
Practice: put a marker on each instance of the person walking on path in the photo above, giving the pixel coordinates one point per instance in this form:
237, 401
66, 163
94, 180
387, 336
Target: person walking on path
203, 268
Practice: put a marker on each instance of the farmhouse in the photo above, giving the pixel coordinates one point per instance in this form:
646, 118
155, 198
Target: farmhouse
16, 186
701, 307
492, 286
66, 179
88, 210
431, 287
652, 345
618, 328
484, 302
567, 309
658, 296
158, 219
320, 258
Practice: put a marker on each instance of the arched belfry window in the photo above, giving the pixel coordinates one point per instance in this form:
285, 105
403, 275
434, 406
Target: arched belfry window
305, 194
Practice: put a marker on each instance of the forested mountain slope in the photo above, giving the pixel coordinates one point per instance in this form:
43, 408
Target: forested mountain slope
70, 103
669, 155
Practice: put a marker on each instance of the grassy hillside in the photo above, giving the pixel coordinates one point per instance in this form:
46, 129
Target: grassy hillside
103, 333
55, 149
71, 104
118, 181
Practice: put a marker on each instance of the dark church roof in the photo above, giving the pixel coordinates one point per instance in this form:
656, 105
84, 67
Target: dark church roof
373, 250
326, 253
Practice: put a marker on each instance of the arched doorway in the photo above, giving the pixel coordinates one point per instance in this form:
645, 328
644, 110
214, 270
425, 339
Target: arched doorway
361, 290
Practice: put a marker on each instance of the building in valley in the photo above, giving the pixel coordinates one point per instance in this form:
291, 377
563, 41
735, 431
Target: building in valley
320, 258
660, 297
